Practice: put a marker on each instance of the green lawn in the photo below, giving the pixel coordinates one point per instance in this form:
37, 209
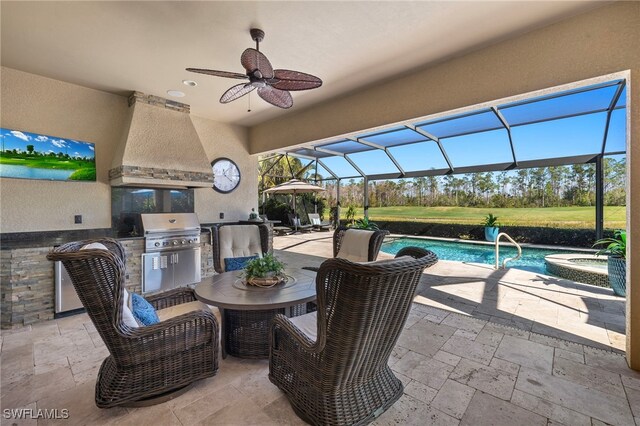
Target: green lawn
48, 163
558, 217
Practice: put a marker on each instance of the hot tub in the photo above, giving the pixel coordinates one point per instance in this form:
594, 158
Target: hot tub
580, 267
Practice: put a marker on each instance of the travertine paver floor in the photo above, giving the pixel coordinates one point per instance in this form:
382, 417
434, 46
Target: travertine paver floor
540, 303
457, 369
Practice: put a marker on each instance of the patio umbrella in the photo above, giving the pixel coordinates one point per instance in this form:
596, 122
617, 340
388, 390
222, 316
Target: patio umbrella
295, 187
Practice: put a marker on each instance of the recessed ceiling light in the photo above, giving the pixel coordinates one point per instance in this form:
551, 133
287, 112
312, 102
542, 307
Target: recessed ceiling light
175, 93
190, 83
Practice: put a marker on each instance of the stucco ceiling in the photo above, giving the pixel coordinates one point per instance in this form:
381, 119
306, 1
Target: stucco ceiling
146, 46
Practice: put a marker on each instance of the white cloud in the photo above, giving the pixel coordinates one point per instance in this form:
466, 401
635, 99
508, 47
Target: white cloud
52, 151
77, 154
41, 138
91, 148
20, 135
60, 143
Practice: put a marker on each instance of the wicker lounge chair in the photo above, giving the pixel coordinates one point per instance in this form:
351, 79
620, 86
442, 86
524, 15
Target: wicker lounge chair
332, 364
146, 363
296, 224
317, 224
238, 241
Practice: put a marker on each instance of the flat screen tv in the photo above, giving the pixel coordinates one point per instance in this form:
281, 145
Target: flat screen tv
27, 155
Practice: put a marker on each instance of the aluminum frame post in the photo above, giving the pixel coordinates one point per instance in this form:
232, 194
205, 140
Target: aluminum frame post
366, 197
599, 197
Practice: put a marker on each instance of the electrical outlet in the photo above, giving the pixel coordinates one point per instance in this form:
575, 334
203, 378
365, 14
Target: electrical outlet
221, 215
77, 218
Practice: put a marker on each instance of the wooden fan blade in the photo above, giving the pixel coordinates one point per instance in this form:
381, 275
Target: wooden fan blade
277, 97
294, 80
219, 73
236, 92
253, 60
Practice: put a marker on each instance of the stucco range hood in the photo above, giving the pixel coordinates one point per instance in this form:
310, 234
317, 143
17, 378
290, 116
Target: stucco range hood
160, 147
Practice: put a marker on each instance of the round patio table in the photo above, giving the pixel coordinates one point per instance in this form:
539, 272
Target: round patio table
247, 310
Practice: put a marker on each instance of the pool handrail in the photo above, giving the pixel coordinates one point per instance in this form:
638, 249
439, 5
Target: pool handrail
508, 259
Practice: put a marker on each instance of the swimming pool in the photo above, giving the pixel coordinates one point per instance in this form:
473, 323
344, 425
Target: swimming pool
532, 258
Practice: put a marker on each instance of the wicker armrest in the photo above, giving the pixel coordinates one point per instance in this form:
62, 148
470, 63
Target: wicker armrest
311, 268
282, 322
172, 336
166, 299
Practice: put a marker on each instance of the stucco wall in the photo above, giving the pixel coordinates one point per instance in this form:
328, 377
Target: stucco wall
41, 105
596, 43
223, 140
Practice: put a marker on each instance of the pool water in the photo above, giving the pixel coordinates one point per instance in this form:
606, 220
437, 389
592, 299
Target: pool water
532, 258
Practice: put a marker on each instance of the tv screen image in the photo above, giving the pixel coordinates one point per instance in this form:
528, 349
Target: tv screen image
27, 155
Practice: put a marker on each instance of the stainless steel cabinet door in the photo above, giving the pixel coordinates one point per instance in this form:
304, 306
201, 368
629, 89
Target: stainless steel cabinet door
186, 267
157, 272
66, 297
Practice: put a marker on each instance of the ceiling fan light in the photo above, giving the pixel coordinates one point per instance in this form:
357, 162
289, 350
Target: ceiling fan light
189, 83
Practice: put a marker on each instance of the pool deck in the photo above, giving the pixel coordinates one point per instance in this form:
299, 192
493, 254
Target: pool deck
531, 302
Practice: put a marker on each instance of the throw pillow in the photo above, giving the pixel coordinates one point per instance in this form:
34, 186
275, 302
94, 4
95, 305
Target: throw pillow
143, 311
316, 221
237, 263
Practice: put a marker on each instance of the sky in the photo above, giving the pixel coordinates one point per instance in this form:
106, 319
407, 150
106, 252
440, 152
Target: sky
542, 128
14, 139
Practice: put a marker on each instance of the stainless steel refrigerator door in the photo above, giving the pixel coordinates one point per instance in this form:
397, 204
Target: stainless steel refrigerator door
187, 267
157, 272
66, 297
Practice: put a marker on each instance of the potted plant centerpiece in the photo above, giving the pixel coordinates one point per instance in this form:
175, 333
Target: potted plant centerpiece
265, 271
616, 249
491, 227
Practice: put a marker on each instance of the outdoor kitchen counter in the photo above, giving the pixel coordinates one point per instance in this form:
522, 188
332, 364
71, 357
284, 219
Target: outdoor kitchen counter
27, 281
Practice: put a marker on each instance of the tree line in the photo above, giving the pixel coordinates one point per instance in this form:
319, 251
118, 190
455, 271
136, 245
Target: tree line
559, 186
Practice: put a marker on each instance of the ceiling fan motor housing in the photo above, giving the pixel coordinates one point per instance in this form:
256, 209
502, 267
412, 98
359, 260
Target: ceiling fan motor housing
257, 34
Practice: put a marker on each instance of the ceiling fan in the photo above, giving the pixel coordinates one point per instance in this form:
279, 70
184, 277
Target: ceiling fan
273, 85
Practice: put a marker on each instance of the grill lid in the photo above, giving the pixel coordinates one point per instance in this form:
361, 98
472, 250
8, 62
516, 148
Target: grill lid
162, 223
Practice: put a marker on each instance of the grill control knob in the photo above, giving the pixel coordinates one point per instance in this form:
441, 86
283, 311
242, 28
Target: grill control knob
190, 241
175, 243
157, 244
183, 242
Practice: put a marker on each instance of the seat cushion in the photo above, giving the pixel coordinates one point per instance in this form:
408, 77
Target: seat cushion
355, 245
239, 241
183, 308
94, 246
308, 324
127, 314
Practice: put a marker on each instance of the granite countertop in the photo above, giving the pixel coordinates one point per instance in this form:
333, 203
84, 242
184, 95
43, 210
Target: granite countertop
22, 240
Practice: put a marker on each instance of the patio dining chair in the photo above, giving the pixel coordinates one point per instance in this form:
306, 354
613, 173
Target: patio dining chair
333, 364
238, 241
356, 245
146, 364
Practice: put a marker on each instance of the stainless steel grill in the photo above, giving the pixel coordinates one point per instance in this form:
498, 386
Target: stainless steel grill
172, 251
